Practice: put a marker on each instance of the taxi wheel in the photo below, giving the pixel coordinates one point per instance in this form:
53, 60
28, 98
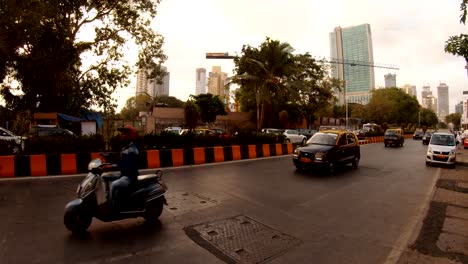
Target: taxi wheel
355, 162
332, 168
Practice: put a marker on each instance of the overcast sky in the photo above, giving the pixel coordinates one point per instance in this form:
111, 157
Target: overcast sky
409, 34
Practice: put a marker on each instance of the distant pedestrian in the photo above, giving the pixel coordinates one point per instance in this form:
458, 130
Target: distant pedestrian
459, 140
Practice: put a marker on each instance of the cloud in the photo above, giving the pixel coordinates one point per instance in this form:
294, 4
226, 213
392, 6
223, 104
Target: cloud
408, 34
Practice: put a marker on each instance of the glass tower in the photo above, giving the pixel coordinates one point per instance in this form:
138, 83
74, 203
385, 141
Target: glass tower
348, 45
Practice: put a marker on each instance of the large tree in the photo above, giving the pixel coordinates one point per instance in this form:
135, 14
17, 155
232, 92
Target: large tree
310, 86
392, 106
455, 119
209, 106
458, 45
261, 73
68, 55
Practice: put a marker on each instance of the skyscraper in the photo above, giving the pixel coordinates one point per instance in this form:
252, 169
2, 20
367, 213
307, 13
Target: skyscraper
347, 45
409, 89
217, 84
155, 89
443, 100
150, 86
428, 100
459, 108
200, 81
390, 80
142, 82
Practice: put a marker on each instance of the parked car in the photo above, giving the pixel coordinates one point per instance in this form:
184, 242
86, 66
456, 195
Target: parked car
175, 130
272, 131
328, 149
441, 149
394, 136
49, 130
418, 134
426, 138
17, 142
292, 136
306, 132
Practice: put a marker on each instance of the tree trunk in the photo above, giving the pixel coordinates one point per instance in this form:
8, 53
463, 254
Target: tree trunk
258, 109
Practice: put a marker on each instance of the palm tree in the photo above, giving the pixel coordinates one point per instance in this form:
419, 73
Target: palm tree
264, 70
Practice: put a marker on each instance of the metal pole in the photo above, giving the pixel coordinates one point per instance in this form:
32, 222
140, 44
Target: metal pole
419, 118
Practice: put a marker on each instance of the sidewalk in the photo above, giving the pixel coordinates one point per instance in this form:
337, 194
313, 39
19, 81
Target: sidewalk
442, 234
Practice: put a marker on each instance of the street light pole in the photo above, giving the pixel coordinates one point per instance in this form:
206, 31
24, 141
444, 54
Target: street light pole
419, 118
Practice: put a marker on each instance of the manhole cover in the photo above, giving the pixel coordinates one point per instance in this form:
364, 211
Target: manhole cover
241, 239
184, 202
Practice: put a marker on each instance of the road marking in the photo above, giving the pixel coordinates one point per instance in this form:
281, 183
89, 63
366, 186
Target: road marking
402, 243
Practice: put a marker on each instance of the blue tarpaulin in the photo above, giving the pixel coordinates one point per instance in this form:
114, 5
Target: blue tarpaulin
69, 118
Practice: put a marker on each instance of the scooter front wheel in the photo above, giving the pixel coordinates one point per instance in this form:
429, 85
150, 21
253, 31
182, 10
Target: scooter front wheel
77, 223
153, 212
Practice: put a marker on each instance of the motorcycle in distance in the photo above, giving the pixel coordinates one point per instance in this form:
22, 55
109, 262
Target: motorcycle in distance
146, 199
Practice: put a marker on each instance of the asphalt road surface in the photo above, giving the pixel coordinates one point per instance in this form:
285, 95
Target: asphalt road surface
247, 212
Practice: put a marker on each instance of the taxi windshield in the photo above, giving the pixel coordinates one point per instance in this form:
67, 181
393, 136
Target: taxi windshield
322, 138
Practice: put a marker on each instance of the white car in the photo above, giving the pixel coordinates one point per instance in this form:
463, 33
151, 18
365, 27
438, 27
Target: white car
442, 149
292, 136
6, 134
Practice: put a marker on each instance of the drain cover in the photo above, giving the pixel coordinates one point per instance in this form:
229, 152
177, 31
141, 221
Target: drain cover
241, 239
184, 202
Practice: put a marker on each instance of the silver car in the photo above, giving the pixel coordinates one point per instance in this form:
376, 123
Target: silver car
293, 136
18, 146
441, 149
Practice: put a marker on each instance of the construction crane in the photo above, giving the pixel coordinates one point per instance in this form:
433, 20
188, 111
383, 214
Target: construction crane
226, 55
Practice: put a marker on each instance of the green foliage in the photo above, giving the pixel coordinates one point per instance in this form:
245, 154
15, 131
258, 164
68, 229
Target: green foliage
272, 79
191, 114
209, 106
458, 45
261, 73
392, 106
428, 118
42, 49
168, 101
455, 119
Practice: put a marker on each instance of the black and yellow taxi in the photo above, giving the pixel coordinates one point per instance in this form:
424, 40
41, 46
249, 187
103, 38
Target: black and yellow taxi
394, 136
328, 149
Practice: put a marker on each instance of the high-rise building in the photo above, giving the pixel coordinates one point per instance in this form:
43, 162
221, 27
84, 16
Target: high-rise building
464, 119
443, 100
426, 91
390, 80
200, 81
151, 86
459, 108
217, 84
409, 89
428, 100
347, 45
142, 82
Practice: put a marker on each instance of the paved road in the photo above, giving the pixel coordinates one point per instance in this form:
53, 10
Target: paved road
356, 216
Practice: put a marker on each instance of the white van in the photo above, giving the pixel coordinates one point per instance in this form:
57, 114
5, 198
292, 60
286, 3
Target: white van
442, 149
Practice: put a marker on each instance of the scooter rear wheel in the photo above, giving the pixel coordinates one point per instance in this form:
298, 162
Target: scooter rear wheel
153, 212
77, 223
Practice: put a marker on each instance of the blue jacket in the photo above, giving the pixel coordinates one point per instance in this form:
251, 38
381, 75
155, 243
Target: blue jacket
128, 163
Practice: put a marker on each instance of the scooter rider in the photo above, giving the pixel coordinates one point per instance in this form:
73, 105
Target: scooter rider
128, 166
